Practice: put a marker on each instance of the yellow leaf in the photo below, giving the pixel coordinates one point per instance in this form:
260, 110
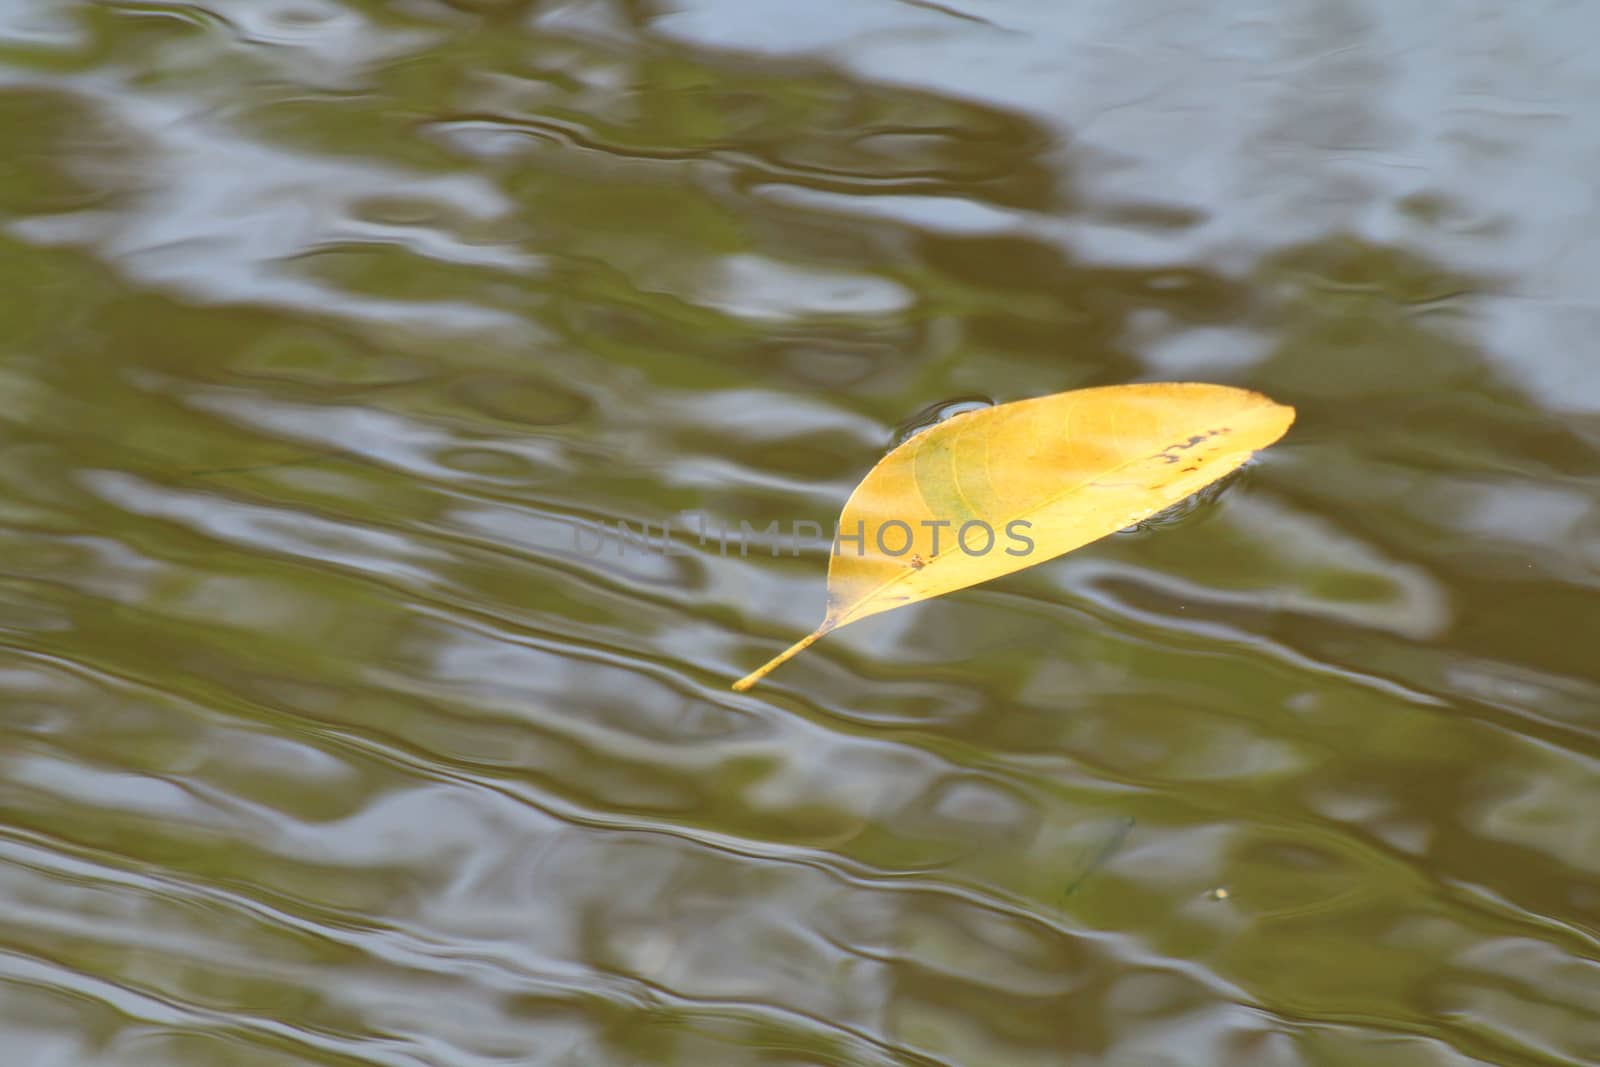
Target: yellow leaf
1000, 489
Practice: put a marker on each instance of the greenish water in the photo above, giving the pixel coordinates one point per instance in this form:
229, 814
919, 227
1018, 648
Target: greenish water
322, 741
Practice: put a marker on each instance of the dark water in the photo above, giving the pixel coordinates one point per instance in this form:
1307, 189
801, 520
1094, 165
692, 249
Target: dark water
324, 323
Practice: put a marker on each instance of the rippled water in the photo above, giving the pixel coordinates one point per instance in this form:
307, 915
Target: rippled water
328, 324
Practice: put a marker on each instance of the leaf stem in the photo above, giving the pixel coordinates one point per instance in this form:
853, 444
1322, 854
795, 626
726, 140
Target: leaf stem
782, 657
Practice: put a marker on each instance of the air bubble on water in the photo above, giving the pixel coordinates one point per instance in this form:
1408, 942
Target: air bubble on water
934, 414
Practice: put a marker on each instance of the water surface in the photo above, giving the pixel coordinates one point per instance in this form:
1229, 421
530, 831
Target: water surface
322, 742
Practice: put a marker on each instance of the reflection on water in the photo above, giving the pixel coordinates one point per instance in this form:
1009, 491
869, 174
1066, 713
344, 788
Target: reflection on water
320, 742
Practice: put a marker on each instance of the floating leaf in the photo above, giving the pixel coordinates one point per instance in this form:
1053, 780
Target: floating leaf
997, 490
